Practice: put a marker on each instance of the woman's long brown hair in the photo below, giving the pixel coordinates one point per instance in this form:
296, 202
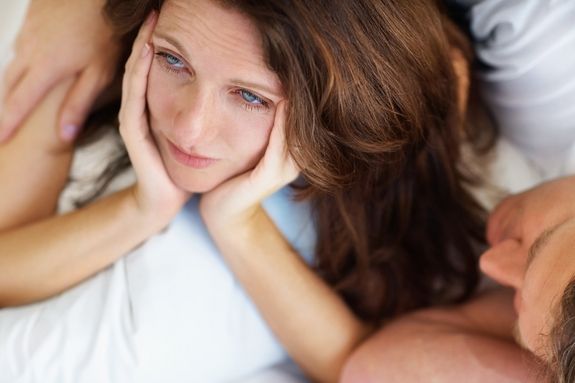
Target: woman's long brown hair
374, 123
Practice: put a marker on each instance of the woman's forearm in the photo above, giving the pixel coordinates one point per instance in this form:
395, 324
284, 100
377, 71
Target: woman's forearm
40, 254
47, 257
313, 323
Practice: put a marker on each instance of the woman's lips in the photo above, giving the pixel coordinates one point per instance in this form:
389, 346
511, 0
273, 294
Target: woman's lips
196, 162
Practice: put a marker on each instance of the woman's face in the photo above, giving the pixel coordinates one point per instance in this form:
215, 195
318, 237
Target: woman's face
211, 97
539, 272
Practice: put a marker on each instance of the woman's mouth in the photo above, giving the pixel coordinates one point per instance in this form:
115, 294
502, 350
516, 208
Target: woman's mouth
190, 160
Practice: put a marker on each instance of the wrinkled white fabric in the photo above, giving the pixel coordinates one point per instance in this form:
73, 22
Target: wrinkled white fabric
169, 311
528, 47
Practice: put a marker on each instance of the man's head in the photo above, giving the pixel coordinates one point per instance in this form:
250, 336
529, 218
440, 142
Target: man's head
532, 237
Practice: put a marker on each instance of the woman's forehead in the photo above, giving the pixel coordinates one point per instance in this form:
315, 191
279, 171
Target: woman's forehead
208, 13
204, 22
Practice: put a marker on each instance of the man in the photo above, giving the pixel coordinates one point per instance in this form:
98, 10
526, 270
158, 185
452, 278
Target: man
519, 334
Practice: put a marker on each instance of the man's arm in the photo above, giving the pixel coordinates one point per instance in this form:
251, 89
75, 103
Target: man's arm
35, 166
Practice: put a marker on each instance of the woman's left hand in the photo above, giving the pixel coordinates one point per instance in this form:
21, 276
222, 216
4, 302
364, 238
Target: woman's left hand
233, 203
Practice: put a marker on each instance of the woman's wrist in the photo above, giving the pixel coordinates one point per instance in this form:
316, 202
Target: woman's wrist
245, 233
152, 217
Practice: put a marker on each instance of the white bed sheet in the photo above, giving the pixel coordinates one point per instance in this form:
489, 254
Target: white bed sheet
11, 15
508, 170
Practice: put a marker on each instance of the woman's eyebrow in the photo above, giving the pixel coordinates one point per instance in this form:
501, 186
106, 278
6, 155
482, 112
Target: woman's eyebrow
540, 243
260, 87
173, 41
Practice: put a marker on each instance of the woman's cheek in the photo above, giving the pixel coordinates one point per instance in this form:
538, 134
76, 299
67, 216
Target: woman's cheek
159, 95
252, 136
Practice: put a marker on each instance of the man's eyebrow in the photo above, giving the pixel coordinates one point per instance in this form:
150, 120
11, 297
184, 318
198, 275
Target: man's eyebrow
540, 243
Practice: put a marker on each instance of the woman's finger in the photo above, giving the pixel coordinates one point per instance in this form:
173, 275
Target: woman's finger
133, 118
136, 75
78, 103
278, 148
277, 168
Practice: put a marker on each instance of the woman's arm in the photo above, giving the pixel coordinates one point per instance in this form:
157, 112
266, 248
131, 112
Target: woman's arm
43, 258
313, 323
468, 343
42, 254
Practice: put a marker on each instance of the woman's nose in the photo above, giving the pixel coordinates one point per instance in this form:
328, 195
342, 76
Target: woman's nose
196, 121
505, 262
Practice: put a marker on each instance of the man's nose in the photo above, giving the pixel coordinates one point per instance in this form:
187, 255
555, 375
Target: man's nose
505, 262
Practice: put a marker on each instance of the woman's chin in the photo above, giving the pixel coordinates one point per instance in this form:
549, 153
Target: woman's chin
198, 181
203, 185
195, 187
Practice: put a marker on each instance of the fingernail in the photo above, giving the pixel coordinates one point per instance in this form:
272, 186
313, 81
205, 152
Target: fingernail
69, 132
145, 50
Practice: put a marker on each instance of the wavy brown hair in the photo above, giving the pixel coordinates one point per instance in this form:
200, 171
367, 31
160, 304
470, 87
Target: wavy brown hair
374, 123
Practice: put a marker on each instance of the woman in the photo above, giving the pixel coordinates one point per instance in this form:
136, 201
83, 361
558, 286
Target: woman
377, 118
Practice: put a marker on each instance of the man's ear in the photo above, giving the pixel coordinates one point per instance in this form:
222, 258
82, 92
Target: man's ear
461, 69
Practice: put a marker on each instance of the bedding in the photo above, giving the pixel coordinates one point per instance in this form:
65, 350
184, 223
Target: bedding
137, 293
527, 51
169, 311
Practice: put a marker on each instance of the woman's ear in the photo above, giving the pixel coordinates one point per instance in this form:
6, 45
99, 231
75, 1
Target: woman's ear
461, 69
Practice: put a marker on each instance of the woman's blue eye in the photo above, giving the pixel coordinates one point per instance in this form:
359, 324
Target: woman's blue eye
251, 98
174, 61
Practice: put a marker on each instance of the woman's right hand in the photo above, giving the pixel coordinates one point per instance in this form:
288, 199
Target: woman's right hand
155, 194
